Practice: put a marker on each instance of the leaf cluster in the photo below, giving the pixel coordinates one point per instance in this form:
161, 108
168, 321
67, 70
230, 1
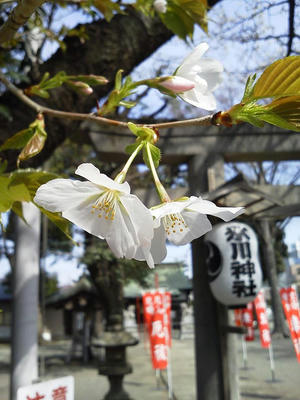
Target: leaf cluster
280, 85
81, 84
117, 95
181, 16
146, 137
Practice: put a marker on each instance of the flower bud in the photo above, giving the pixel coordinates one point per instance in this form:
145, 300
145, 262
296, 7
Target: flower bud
177, 84
80, 87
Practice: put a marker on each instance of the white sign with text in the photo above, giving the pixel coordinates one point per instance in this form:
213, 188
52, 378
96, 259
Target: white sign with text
56, 389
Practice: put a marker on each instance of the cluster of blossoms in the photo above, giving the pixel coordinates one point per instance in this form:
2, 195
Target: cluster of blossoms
106, 208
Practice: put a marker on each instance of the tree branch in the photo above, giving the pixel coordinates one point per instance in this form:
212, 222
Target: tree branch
291, 26
203, 121
18, 18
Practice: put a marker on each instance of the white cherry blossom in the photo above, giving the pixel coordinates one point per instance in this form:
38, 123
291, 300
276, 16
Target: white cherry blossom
160, 6
206, 76
183, 221
104, 208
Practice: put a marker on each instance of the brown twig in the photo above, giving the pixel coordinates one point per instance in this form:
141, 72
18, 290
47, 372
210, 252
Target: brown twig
202, 121
18, 17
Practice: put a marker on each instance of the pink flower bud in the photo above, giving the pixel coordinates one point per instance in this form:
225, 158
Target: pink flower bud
177, 84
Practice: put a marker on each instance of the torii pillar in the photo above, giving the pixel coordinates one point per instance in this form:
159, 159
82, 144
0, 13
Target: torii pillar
216, 377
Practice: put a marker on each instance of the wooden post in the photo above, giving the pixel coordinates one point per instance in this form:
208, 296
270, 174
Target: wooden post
214, 348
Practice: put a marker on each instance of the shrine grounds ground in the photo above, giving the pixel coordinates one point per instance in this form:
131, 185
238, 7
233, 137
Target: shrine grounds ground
255, 381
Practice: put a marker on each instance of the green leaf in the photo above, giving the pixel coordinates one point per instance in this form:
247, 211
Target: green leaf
32, 179
17, 208
32, 140
283, 113
196, 9
248, 93
134, 129
286, 112
287, 108
182, 15
178, 22
155, 154
33, 147
108, 8
59, 221
127, 104
5, 112
3, 166
1, 223
143, 132
11, 192
132, 147
41, 89
282, 78
18, 140
5, 198
118, 79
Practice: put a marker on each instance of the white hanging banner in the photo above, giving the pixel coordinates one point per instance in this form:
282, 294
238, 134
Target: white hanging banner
55, 389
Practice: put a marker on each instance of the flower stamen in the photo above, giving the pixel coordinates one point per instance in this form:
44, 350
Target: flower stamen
174, 223
106, 205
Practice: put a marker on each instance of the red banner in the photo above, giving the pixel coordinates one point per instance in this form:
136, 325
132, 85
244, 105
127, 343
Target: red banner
247, 316
262, 319
157, 317
244, 317
292, 312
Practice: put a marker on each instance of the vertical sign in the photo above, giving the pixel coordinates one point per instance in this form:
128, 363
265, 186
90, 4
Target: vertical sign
261, 312
247, 316
157, 312
291, 309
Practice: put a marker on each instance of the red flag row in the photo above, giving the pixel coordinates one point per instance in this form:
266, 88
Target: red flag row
290, 303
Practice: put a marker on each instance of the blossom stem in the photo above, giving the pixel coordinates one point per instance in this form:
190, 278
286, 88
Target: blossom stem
162, 193
122, 175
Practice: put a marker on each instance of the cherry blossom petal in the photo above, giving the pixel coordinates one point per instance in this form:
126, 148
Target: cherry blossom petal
87, 219
208, 207
198, 225
62, 194
91, 173
158, 245
192, 59
205, 101
140, 216
122, 238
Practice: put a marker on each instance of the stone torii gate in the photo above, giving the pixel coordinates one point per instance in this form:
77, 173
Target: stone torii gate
203, 150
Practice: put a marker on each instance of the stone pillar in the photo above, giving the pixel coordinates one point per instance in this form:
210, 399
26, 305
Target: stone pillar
24, 365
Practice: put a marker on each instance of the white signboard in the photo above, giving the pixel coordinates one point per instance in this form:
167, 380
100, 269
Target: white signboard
56, 389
